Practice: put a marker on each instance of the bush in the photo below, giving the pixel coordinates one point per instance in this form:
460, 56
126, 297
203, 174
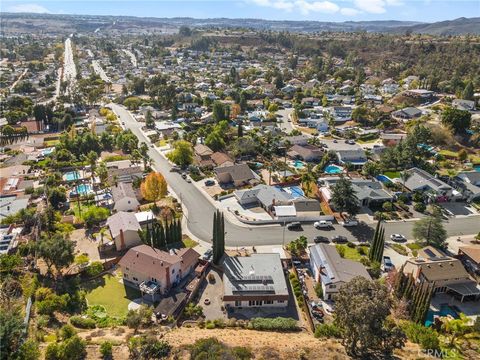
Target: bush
319, 290
209, 325
341, 250
361, 250
420, 207
351, 245
106, 350
327, 331
426, 337
95, 269
82, 322
276, 324
399, 249
387, 206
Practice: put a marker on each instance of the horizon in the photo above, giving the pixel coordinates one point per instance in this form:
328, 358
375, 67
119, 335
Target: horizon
335, 11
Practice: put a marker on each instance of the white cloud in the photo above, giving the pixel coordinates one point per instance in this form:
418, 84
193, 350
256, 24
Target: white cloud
350, 11
371, 6
28, 8
304, 6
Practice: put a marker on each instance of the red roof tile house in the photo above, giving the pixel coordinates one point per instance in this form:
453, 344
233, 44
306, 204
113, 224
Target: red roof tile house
148, 269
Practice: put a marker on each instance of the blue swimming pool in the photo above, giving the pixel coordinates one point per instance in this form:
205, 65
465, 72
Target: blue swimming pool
295, 191
333, 169
72, 176
298, 164
383, 178
444, 311
476, 168
82, 189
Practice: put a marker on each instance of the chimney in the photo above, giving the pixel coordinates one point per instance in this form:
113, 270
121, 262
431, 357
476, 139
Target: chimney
122, 240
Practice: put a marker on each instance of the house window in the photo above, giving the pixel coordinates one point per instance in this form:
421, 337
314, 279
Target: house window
268, 302
280, 301
238, 303
332, 286
258, 302
134, 278
251, 303
173, 271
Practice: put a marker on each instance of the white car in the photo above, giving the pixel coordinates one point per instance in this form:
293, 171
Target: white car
348, 223
323, 224
398, 237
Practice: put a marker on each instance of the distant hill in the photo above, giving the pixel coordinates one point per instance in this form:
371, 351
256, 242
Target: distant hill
450, 27
15, 23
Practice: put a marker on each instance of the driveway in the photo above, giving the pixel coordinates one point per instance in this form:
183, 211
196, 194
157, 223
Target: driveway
457, 208
213, 292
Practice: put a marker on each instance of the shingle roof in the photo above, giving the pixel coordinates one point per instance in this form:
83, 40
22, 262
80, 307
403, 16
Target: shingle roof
123, 190
122, 221
237, 172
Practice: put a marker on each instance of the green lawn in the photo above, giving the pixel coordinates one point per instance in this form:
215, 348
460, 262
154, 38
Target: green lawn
351, 253
189, 243
449, 154
392, 174
49, 143
110, 293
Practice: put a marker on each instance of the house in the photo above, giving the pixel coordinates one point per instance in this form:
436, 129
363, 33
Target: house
263, 195
203, 155
470, 257
222, 159
238, 175
406, 114
329, 268
124, 227
297, 139
341, 113
310, 101
460, 104
392, 139
421, 181
124, 197
356, 156
446, 273
11, 204
420, 94
254, 281
305, 152
123, 171
147, 268
469, 184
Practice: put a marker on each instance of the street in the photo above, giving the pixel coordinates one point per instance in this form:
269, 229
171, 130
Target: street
200, 210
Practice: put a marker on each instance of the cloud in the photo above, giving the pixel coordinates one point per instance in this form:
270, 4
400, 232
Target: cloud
304, 6
371, 6
28, 8
350, 11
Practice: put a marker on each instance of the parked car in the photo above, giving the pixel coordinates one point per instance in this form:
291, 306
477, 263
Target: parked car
398, 237
323, 224
184, 175
209, 182
387, 264
349, 222
208, 254
339, 239
294, 226
175, 169
188, 180
321, 239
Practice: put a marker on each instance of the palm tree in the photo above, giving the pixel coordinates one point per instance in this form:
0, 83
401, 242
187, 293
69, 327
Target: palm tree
456, 328
404, 176
307, 178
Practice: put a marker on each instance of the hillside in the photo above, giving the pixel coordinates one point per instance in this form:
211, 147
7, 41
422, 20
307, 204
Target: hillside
450, 27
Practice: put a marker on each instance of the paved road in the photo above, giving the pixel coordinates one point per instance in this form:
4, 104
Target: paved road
200, 211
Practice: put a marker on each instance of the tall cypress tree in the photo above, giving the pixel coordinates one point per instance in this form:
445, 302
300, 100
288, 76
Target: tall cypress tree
215, 238
179, 230
374, 244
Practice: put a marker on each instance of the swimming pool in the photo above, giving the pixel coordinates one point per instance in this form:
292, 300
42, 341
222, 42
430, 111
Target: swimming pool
72, 176
384, 179
82, 189
297, 164
476, 168
445, 310
295, 191
333, 169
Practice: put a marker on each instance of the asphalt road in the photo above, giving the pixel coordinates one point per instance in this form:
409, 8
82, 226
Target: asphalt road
200, 211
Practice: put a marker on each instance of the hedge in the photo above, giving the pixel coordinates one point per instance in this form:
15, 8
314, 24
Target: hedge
82, 323
275, 324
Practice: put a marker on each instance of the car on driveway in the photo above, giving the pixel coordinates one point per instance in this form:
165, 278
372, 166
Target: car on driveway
321, 240
294, 226
208, 254
387, 264
209, 182
349, 222
398, 238
174, 169
322, 224
339, 239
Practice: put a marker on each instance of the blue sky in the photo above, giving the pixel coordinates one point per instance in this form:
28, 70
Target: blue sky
321, 10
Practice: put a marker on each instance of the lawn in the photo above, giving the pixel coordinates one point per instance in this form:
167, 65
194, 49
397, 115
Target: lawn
392, 174
49, 143
189, 243
351, 253
110, 293
449, 154
402, 250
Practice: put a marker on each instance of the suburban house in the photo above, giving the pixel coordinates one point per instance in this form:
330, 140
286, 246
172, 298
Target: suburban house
460, 104
124, 227
222, 159
123, 171
469, 184
392, 139
297, 139
257, 280
447, 273
203, 155
124, 197
421, 181
332, 270
470, 257
155, 271
263, 195
342, 113
305, 152
406, 114
238, 175
356, 157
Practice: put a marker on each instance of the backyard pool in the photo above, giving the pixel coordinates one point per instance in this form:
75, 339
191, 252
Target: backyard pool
384, 179
82, 189
295, 191
72, 176
297, 164
445, 310
333, 169
476, 168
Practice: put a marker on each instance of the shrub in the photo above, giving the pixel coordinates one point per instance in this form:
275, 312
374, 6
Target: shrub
341, 250
420, 207
399, 249
387, 206
426, 337
82, 322
209, 325
319, 290
95, 269
361, 250
275, 324
327, 331
106, 350
351, 245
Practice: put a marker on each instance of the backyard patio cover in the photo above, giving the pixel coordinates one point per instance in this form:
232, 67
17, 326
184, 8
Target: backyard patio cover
465, 289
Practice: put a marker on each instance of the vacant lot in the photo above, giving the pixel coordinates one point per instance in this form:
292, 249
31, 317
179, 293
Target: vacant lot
109, 292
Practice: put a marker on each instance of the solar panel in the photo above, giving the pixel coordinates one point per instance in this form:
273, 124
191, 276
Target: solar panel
255, 289
255, 279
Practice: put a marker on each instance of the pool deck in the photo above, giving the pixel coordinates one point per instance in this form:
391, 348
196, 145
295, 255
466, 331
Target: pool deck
469, 308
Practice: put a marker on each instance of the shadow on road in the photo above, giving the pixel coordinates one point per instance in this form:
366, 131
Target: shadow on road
362, 232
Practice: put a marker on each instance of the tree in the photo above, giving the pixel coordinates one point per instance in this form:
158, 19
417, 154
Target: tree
218, 111
11, 331
456, 327
8, 263
154, 187
132, 103
218, 238
344, 198
182, 153
56, 251
361, 310
29, 350
457, 120
430, 231
371, 169
148, 347
95, 215
56, 197
468, 91
215, 141
375, 253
